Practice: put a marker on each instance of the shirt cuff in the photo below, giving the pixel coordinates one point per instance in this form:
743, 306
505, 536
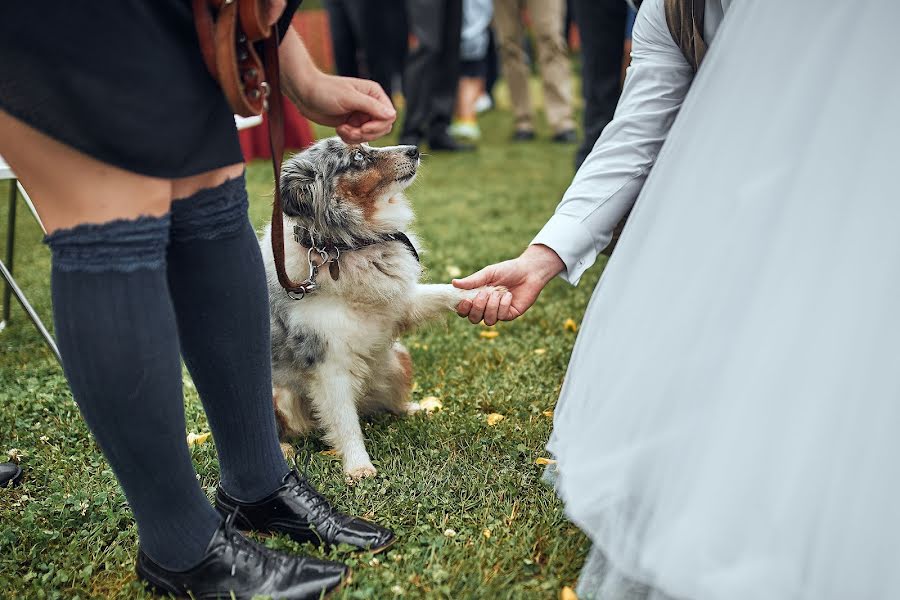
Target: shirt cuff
573, 242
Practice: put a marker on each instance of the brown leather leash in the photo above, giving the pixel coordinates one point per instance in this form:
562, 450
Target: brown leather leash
228, 31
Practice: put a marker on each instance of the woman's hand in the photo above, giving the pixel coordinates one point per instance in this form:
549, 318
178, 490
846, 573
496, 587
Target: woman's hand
523, 277
358, 109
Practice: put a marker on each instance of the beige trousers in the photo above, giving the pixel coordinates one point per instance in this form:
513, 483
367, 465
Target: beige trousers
547, 18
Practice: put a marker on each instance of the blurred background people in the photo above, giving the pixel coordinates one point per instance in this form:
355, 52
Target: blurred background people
547, 20
432, 73
474, 46
369, 39
602, 26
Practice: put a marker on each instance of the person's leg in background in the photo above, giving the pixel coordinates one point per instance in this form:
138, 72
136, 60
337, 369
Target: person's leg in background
421, 68
432, 73
509, 31
547, 17
602, 27
492, 63
115, 325
343, 38
383, 31
471, 88
443, 96
218, 286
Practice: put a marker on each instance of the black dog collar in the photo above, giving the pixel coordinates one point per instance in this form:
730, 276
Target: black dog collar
325, 246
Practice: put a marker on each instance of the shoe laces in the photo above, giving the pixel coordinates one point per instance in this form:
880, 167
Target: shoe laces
306, 490
254, 553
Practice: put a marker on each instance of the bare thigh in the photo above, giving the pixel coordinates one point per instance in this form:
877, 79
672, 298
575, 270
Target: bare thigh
70, 188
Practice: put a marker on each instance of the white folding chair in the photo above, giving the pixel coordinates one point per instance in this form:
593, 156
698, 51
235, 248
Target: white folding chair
6, 266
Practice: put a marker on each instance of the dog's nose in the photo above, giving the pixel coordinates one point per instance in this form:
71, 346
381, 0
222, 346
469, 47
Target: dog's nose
412, 152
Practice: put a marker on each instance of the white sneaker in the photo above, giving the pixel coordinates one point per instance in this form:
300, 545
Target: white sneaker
468, 131
483, 104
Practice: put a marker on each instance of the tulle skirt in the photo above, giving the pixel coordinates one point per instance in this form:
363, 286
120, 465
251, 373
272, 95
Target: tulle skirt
728, 427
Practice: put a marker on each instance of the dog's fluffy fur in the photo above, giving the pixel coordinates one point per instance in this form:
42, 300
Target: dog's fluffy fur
335, 354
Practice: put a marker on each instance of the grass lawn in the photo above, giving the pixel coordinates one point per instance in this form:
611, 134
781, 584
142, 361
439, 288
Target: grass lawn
67, 532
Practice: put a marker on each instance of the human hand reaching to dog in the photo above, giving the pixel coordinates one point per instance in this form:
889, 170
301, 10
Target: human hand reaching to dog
358, 109
523, 277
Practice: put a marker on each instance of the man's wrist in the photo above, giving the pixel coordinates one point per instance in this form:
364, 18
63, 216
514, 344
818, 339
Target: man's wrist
543, 261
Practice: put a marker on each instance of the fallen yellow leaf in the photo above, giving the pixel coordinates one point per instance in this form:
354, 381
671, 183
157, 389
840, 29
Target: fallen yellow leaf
540, 351
545, 461
431, 403
567, 593
486, 533
548, 413
570, 325
489, 334
289, 451
195, 439
494, 418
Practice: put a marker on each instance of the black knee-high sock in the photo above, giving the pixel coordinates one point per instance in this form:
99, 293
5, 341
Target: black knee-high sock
117, 335
218, 286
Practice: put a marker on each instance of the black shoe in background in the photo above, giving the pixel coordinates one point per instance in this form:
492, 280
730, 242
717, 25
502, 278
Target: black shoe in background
299, 511
410, 140
566, 137
10, 474
445, 142
523, 135
235, 565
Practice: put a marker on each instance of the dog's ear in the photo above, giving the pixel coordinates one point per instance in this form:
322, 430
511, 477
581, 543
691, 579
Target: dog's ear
298, 180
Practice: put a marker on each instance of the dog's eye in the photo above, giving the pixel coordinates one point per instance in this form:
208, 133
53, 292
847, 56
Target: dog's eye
358, 156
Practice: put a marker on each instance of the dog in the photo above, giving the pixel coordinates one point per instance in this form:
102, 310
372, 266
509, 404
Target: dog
335, 352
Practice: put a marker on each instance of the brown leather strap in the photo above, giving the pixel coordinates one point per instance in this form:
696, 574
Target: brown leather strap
227, 32
685, 20
276, 146
206, 33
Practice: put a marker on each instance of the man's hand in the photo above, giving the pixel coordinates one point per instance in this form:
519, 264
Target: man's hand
358, 109
523, 277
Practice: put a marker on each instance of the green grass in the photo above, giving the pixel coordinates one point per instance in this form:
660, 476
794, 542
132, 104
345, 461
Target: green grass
67, 532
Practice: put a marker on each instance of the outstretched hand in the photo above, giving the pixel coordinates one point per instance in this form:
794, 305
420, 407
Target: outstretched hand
523, 278
358, 109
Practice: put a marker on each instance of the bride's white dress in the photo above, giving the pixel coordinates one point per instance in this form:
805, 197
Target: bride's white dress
729, 428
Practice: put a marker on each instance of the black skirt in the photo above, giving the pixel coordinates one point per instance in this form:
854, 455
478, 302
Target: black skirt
120, 80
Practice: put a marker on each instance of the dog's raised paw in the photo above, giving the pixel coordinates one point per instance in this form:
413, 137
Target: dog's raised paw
362, 472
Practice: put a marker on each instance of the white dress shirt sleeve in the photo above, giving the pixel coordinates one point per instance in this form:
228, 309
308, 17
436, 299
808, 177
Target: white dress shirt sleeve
608, 183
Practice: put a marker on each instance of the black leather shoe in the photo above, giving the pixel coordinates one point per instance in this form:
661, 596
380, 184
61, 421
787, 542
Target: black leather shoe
10, 474
447, 143
523, 135
410, 140
235, 565
567, 136
298, 510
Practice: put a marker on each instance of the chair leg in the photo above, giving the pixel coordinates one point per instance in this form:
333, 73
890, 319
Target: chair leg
11, 285
12, 288
10, 248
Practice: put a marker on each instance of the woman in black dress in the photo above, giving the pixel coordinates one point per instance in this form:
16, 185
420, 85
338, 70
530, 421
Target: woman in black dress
128, 148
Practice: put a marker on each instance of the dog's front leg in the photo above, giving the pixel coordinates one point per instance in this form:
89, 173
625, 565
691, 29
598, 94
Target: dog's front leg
430, 300
334, 400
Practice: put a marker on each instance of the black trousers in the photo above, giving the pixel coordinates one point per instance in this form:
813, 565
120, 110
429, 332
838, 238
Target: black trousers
369, 38
432, 68
602, 27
